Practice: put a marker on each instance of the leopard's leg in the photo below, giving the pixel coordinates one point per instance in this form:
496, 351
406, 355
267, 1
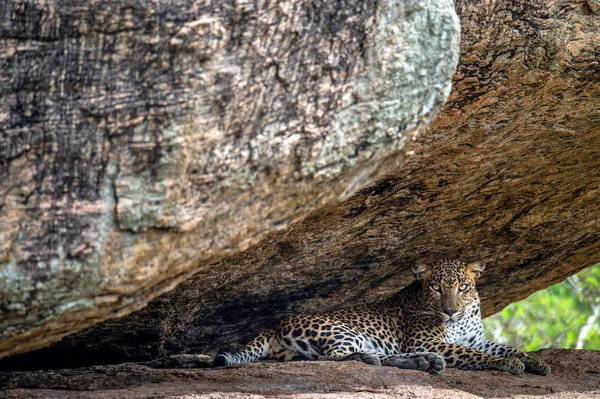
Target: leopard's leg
532, 364
430, 362
350, 347
467, 358
346, 348
279, 352
426, 361
315, 339
257, 349
343, 355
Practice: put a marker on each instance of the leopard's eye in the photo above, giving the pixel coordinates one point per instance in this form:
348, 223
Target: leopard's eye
463, 287
435, 287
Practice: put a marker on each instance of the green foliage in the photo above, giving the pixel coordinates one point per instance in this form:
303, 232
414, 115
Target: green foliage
565, 315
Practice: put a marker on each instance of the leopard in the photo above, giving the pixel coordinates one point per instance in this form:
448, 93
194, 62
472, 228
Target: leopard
432, 324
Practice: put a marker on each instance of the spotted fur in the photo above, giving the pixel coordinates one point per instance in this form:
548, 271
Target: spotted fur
432, 324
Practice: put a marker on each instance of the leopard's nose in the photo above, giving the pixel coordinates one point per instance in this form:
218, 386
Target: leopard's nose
450, 312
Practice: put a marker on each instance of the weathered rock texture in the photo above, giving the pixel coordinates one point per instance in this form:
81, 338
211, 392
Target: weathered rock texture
575, 374
142, 141
510, 173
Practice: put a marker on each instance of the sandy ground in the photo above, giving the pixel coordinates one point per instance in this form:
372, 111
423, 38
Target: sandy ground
575, 374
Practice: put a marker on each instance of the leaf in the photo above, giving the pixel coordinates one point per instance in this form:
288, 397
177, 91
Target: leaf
552, 317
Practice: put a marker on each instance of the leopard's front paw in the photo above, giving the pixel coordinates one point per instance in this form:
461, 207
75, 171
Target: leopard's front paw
536, 365
512, 365
427, 361
366, 358
437, 364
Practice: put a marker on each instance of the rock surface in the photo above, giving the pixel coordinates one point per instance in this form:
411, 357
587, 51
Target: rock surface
142, 141
510, 173
575, 374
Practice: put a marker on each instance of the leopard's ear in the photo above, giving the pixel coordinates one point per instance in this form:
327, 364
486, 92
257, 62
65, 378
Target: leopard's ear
421, 271
475, 269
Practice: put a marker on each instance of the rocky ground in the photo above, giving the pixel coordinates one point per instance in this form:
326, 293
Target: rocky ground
575, 374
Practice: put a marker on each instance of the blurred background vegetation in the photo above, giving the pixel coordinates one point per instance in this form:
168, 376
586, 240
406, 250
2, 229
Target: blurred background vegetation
565, 315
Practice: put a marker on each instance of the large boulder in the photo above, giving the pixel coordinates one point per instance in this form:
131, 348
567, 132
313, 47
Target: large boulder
142, 141
574, 376
509, 173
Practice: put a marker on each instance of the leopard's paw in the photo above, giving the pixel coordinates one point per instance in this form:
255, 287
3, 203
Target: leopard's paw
535, 365
512, 365
366, 358
437, 364
426, 361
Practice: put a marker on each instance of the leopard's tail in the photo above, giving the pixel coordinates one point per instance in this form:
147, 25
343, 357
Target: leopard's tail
257, 349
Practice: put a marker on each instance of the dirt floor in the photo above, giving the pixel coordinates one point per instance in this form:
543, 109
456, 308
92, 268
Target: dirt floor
575, 374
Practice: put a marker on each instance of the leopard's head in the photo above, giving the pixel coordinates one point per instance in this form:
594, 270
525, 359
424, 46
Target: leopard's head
448, 287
